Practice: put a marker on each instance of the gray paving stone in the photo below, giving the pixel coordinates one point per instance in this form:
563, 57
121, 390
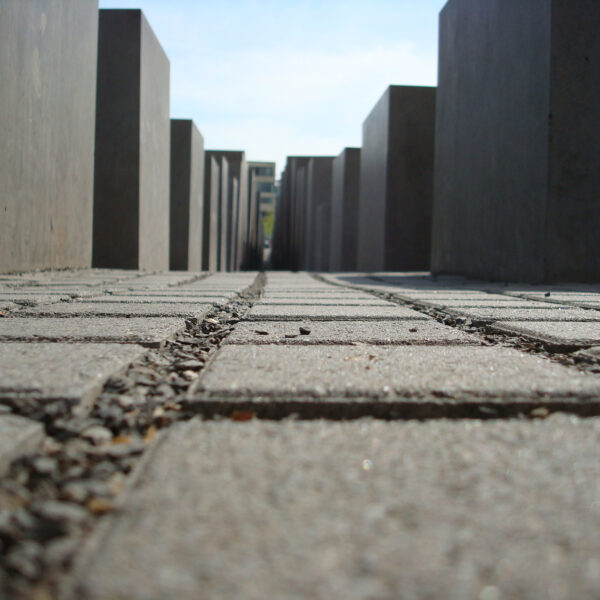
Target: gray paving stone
50, 371
191, 295
326, 313
483, 303
314, 301
344, 332
386, 372
151, 332
570, 333
166, 299
18, 436
528, 314
316, 510
33, 299
116, 309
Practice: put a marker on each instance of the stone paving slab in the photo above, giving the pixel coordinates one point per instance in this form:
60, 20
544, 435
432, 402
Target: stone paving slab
528, 314
34, 299
387, 371
327, 313
176, 293
116, 309
569, 333
355, 510
313, 301
166, 299
483, 303
151, 332
345, 332
328, 293
18, 436
52, 371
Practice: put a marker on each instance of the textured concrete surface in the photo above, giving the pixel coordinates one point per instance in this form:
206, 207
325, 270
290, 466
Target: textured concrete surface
380, 371
529, 314
516, 149
116, 309
568, 332
210, 230
345, 195
131, 182
48, 56
18, 436
186, 196
356, 510
144, 331
299, 311
345, 332
48, 371
315, 301
396, 181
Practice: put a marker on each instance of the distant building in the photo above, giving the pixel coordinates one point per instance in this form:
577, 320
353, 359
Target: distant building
263, 194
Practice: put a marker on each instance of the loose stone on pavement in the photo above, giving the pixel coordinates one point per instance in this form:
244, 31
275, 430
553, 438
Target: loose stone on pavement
18, 436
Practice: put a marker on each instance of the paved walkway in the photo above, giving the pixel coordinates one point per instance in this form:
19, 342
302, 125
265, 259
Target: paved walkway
326, 436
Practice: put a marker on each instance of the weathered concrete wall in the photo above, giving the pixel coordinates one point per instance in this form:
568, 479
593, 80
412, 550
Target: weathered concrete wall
187, 193
572, 240
396, 181
234, 198
131, 179
224, 190
323, 234
517, 149
210, 232
491, 138
48, 52
345, 189
318, 192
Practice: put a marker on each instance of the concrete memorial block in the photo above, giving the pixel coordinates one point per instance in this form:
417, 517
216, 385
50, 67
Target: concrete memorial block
323, 233
518, 141
396, 181
232, 224
344, 211
224, 214
318, 192
210, 233
131, 179
237, 167
48, 55
187, 194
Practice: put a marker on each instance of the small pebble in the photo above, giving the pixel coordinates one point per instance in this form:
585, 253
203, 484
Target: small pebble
97, 435
304, 331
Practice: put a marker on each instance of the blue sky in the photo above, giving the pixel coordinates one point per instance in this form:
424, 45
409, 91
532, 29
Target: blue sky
289, 77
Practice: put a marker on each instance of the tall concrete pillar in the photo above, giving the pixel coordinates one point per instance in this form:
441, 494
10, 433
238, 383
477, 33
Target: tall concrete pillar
318, 182
517, 183
210, 229
187, 193
224, 191
345, 190
48, 57
396, 181
131, 178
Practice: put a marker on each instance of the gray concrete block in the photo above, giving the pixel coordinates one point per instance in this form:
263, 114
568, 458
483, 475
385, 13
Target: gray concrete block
165, 299
555, 333
142, 330
48, 53
527, 314
387, 372
396, 181
517, 149
323, 301
131, 181
323, 233
355, 510
117, 309
345, 189
187, 196
224, 216
210, 230
327, 313
50, 371
18, 436
348, 332
318, 192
